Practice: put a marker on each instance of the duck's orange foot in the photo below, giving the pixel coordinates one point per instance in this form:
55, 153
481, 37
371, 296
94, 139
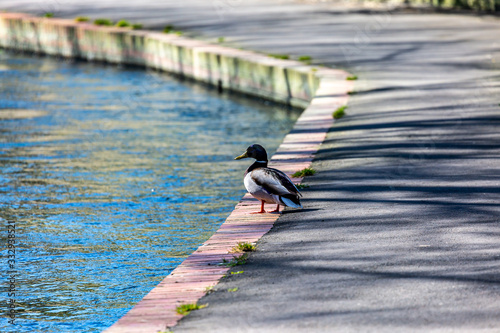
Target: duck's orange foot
262, 211
276, 211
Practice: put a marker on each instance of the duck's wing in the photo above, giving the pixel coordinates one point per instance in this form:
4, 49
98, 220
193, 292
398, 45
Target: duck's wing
274, 181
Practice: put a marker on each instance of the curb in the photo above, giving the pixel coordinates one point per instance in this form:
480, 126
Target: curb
320, 90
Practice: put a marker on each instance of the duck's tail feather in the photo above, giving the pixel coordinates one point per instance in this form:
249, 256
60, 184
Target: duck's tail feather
291, 200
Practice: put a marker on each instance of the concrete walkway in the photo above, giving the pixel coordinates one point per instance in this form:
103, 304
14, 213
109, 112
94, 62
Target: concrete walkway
402, 222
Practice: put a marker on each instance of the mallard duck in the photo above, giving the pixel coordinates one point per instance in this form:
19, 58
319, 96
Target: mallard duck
267, 184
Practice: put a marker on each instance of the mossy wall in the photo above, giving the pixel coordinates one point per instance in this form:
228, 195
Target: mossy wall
284, 81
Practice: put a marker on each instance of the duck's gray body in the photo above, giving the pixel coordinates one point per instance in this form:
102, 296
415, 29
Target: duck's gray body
272, 186
267, 184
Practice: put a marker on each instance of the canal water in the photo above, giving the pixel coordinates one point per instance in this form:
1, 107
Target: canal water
110, 177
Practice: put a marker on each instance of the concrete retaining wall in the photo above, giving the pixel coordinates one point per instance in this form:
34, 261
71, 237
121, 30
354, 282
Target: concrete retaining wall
248, 72
476, 5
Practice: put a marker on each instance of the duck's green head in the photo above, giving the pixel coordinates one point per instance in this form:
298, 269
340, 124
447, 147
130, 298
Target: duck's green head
254, 151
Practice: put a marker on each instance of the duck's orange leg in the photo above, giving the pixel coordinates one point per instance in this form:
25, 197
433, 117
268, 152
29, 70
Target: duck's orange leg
277, 210
261, 209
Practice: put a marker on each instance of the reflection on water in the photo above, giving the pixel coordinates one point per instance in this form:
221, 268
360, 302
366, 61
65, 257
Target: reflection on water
112, 176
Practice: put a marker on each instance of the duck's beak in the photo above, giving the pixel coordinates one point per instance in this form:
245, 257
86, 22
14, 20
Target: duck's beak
245, 155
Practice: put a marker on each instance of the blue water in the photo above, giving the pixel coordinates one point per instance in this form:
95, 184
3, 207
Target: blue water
111, 177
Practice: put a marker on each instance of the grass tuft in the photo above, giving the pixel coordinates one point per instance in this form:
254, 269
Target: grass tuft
279, 56
352, 77
103, 21
136, 26
49, 15
243, 247
168, 29
82, 19
238, 272
306, 59
220, 40
185, 309
301, 186
122, 24
340, 112
304, 172
236, 261
233, 289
